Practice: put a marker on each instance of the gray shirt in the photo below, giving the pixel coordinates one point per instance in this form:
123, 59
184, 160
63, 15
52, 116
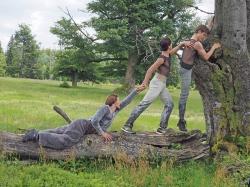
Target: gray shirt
104, 117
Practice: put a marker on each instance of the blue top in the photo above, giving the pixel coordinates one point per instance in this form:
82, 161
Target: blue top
102, 119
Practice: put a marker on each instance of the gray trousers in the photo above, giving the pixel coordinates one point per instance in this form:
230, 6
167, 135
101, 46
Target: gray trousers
185, 84
157, 88
66, 136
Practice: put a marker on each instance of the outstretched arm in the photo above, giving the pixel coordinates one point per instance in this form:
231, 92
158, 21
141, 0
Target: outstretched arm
130, 97
205, 55
178, 47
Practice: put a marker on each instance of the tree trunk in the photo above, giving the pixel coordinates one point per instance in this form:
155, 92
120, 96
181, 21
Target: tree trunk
130, 77
74, 79
225, 87
178, 146
248, 25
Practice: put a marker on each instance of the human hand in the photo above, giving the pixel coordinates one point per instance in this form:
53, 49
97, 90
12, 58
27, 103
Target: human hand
106, 136
140, 88
187, 44
216, 45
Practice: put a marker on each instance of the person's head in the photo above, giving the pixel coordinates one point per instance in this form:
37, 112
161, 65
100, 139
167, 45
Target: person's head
202, 32
113, 100
165, 44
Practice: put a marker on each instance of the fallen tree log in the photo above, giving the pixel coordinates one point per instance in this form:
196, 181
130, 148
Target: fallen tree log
179, 146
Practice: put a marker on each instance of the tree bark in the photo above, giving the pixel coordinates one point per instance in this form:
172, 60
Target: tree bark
225, 87
130, 77
177, 146
248, 25
74, 79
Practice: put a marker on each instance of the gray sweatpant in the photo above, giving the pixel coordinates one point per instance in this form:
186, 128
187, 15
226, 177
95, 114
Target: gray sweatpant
66, 136
185, 84
157, 88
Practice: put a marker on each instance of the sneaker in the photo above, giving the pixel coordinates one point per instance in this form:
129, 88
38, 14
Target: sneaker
127, 130
182, 125
31, 135
161, 130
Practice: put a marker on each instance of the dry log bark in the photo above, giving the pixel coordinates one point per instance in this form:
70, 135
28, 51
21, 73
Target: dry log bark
175, 145
179, 146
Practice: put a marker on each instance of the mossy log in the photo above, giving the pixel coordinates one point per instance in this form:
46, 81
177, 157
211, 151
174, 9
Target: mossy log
175, 145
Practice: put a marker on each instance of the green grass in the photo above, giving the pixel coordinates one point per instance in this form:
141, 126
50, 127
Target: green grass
28, 104
84, 174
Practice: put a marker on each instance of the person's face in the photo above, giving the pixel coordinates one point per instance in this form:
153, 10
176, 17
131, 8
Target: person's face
202, 36
117, 104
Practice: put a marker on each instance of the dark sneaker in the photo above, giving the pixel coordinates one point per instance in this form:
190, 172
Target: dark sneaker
31, 135
182, 125
161, 130
127, 130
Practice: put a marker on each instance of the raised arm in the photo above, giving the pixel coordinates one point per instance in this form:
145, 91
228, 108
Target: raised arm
178, 47
128, 99
205, 55
151, 70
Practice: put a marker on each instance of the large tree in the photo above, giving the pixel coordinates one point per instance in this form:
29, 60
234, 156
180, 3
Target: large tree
22, 54
13, 56
2, 62
131, 29
225, 85
75, 60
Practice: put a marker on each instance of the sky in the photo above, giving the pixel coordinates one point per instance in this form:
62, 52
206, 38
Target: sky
40, 15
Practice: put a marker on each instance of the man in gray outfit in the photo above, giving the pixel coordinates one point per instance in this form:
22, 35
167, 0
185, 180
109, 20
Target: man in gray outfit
187, 61
67, 136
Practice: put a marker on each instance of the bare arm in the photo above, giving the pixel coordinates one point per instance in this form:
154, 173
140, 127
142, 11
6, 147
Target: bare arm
205, 55
175, 49
151, 70
182, 44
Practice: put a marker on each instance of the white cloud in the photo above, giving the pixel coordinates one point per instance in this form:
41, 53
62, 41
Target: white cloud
206, 5
42, 14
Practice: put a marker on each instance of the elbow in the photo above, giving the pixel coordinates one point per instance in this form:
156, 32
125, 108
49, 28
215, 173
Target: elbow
206, 57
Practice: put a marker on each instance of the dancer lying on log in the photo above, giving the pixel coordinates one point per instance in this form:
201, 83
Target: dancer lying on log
67, 136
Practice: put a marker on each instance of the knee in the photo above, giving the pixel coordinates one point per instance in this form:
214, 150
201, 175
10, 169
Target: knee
143, 105
170, 105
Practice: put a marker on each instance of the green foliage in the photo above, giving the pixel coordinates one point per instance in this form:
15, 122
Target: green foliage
22, 54
95, 173
127, 28
2, 62
72, 63
46, 60
64, 84
75, 61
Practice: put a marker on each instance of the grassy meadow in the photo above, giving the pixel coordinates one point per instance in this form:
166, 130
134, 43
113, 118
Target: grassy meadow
28, 104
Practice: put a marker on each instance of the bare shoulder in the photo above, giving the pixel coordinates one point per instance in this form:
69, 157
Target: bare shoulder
198, 45
159, 60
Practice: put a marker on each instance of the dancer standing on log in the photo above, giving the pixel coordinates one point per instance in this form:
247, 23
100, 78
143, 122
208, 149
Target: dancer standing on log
157, 87
187, 61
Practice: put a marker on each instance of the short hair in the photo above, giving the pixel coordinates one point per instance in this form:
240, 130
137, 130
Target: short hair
202, 28
111, 99
165, 43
